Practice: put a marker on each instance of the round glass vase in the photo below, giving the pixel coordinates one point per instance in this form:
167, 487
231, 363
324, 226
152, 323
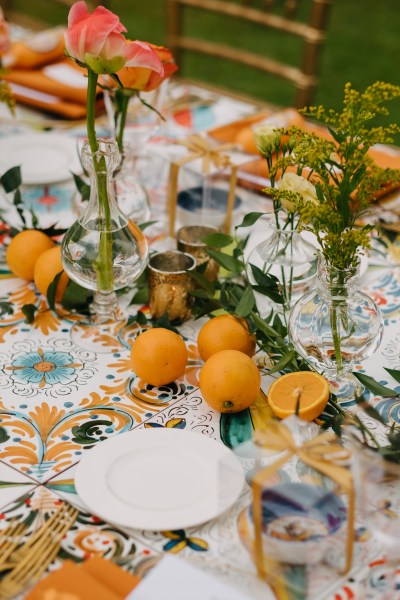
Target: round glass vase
102, 251
336, 326
285, 254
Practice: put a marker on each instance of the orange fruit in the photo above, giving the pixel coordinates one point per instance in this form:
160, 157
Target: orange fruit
225, 332
310, 388
24, 250
159, 356
47, 266
229, 381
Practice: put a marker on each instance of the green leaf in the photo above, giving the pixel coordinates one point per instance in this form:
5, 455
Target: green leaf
394, 373
250, 219
164, 322
53, 231
283, 362
374, 386
263, 326
205, 283
274, 296
264, 279
206, 309
82, 186
52, 289
29, 311
144, 226
246, 303
11, 179
141, 318
368, 409
228, 262
200, 294
141, 296
218, 240
76, 297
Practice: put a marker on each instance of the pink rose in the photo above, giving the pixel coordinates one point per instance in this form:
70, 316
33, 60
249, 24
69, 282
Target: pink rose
95, 40
4, 35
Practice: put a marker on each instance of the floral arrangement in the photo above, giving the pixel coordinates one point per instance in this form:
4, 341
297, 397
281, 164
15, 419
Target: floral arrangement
95, 41
334, 178
6, 94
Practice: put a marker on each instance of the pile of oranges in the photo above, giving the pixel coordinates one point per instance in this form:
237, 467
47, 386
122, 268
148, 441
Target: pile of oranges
229, 379
33, 256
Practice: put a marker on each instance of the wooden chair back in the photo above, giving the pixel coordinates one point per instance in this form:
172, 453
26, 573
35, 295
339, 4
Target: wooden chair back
312, 34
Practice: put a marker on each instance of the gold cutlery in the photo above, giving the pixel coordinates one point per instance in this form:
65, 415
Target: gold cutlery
10, 539
39, 552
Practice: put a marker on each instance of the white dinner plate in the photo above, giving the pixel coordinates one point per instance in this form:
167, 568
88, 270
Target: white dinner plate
43, 157
159, 479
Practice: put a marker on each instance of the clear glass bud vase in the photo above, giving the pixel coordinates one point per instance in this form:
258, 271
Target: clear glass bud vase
288, 256
102, 251
336, 326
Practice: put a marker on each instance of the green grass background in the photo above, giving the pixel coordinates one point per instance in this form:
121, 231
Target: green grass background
363, 46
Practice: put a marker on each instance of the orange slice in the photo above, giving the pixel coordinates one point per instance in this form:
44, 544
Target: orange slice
307, 387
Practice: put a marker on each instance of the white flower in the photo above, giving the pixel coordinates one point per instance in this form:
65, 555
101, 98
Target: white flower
265, 138
297, 183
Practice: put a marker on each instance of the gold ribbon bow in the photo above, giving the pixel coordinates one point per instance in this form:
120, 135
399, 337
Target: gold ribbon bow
320, 454
200, 147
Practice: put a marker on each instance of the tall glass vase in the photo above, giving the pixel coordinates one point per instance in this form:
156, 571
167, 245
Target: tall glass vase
285, 254
102, 251
336, 326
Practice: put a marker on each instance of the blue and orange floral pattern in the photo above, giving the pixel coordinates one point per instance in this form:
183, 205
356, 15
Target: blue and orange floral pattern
43, 367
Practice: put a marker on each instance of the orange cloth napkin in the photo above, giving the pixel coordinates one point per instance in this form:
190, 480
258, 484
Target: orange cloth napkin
96, 578
40, 75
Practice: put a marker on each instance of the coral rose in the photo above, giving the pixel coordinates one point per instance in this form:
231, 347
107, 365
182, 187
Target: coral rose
95, 40
144, 79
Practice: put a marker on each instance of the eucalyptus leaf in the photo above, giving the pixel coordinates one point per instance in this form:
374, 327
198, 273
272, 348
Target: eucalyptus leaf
144, 226
141, 318
375, 387
200, 293
218, 240
368, 409
246, 303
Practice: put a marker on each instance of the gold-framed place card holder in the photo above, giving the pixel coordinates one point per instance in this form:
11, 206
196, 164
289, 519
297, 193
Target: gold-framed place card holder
212, 157
324, 455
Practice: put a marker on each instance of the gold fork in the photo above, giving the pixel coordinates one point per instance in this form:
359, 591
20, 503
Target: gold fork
11, 538
39, 556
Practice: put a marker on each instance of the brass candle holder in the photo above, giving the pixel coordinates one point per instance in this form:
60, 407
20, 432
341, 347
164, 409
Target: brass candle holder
170, 284
190, 240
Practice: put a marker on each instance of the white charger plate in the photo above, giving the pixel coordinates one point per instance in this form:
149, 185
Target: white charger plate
43, 157
159, 479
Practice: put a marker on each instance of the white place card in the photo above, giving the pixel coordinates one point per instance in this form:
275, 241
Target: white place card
175, 579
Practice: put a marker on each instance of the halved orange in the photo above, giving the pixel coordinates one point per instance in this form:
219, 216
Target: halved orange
309, 388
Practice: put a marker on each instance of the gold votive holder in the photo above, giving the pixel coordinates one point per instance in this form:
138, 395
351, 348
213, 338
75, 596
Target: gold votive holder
190, 240
170, 284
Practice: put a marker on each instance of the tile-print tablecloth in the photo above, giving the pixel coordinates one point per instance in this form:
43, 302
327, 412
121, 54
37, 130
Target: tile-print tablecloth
50, 417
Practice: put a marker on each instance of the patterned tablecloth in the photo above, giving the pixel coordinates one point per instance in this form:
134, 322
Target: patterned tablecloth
50, 418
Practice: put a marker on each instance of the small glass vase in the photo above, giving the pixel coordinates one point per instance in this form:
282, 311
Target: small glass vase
287, 255
102, 251
336, 326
